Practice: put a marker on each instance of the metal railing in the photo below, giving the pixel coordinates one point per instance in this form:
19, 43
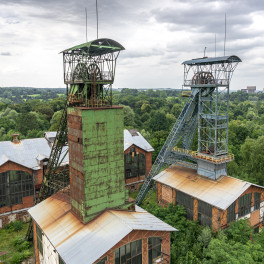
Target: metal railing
198, 155
206, 82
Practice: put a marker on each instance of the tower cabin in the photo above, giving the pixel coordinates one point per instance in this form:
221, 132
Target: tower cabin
93, 220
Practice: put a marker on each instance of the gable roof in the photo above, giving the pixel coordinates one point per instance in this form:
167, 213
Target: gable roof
28, 152
75, 241
220, 193
133, 137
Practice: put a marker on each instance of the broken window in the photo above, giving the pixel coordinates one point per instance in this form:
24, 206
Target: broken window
14, 185
256, 201
244, 204
186, 201
231, 214
204, 213
154, 249
130, 253
135, 164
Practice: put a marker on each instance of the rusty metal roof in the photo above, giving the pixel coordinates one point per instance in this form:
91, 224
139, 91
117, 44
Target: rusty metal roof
75, 241
220, 193
133, 137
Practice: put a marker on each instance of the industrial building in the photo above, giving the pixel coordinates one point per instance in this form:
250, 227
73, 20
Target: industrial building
138, 158
23, 164
198, 180
215, 203
93, 219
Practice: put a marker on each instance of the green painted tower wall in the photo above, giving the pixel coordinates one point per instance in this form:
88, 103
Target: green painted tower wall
96, 160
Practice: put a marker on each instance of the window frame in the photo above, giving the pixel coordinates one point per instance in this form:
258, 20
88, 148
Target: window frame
244, 204
205, 212
39, 235
186, 201
257, 197
231, 213
153, 246
102, 261
129, 256
14, 186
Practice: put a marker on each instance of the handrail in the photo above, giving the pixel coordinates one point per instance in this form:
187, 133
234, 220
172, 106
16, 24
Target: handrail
198, 155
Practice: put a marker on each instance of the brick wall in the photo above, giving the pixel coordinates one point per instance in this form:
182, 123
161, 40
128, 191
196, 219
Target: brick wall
144, 235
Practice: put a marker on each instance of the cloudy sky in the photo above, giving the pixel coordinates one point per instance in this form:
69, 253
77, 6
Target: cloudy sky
158, 36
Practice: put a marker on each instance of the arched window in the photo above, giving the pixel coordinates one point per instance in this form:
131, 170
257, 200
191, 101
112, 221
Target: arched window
14, 185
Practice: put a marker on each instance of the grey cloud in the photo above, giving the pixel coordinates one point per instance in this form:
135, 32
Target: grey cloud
5, 53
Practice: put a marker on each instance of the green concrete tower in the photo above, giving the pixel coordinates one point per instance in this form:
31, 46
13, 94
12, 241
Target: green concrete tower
96, 160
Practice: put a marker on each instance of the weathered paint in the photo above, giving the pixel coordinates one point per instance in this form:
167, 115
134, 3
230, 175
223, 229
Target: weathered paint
96, 154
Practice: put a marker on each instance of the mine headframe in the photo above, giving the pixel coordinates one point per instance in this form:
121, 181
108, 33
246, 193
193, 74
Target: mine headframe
206, 83
89, 69
209, 78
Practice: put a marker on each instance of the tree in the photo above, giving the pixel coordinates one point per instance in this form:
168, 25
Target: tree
158, 121
129, 117
55, 120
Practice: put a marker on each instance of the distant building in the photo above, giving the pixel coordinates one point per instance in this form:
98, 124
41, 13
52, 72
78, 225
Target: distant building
94, 220
138, 158
250, 89
215, 203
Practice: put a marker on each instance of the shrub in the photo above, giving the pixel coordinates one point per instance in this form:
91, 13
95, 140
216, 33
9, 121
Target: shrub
14, 226
17, 258
17, 241
25, 245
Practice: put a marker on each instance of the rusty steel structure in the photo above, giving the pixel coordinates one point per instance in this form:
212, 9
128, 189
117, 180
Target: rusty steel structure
89, 71
206, 84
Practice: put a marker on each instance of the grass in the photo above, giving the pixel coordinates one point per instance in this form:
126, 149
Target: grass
13, 243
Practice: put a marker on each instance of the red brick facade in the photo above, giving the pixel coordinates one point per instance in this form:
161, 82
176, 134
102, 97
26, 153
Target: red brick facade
166, 195
144, 235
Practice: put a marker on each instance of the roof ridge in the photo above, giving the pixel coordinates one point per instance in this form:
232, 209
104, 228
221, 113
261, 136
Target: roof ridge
119, 218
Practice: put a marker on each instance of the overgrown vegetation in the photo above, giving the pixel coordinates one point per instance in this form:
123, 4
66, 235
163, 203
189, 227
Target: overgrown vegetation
12, 240
194, 244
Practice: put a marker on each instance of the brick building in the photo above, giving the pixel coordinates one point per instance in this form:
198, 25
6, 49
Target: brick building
22, 163
138, 158
211, 202
94, 219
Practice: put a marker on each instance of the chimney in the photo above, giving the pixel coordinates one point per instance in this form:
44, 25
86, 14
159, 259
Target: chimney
15, 139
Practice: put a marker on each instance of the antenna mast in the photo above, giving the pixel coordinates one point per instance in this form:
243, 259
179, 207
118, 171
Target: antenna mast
225, 35
86, 23
97, 17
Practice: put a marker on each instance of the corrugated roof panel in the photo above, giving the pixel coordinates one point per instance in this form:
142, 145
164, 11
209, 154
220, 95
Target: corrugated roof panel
138, 140
220, 193
75, 241
213, 60
28, 152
